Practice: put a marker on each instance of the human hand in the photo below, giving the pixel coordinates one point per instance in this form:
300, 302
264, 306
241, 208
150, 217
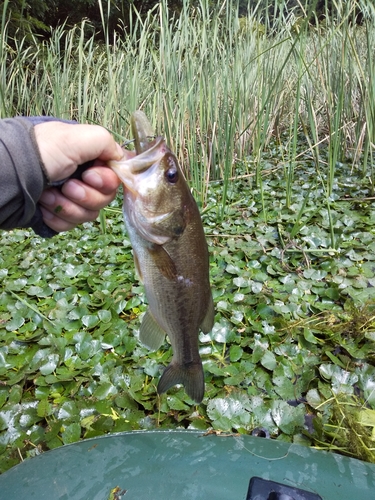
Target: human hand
79, 200
62, 148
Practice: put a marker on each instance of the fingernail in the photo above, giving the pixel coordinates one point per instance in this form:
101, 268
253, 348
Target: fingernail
48, 198
75, 191
93, 178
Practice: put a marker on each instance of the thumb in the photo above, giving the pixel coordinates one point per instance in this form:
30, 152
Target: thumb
64, 146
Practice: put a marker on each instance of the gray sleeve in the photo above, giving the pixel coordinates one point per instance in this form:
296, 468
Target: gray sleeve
22, 178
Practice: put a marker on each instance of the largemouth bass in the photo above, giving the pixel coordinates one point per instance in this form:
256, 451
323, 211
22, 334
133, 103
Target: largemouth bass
170, 255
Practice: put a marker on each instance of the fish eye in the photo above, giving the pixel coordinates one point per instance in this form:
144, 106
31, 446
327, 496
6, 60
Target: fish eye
172, 175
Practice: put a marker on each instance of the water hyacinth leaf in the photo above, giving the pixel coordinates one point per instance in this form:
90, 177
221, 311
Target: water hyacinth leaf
124, 400
313, 398
3, 396
90, 320
17, 284
214, 368
104, 315
231, 269
6, 417
222, 332
104, 390
367, 381
151, 367
39, 291
288, 418
68, 410
367, 417
15, 394
132, 303
175, 403
78, 313
44, 408
256, 287
235, 353
342, 380
15, 323
230, 412
71, 433
28, 414
87, 348
285, 388
241, 282
327, 370
49, 365
268, 360
309, 336
261, 413
3, 363
265, 311
314, 274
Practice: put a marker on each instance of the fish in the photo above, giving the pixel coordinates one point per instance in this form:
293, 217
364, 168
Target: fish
170, 254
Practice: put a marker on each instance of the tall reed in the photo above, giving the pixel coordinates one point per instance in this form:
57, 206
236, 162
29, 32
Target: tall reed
220, 88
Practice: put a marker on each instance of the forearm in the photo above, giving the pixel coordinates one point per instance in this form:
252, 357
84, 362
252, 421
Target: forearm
22, 178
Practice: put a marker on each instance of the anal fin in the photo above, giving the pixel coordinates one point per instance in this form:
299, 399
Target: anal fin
151, 334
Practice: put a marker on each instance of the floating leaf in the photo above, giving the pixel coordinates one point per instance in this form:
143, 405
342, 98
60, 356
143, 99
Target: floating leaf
15, 323
90, 320
49, 365
268, 360
235, 353
44, 408
228, 413
175, 403
104, 315
313, 398
288, 418
104, 390
71, 433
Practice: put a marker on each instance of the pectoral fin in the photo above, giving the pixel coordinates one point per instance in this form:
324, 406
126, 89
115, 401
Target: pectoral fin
208, 321
151, 334
163, 261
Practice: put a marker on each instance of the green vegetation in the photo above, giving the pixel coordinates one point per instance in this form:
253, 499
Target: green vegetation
274, 124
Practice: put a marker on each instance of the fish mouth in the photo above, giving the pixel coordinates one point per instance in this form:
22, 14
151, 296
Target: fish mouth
128, 168
148, 152
143, 161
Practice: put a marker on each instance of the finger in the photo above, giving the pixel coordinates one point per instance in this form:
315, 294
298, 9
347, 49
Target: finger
86, 196
59, 224
102, 179
54, 222
58, 206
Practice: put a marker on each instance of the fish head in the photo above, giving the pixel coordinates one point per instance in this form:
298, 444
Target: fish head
156, 195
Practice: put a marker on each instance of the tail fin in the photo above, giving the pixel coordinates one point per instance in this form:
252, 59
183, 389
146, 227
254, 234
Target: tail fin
190, 375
